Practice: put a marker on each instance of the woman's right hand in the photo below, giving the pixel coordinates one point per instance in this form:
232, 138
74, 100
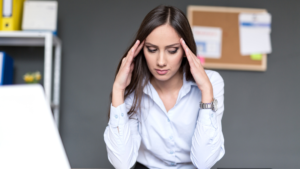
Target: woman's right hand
123, 77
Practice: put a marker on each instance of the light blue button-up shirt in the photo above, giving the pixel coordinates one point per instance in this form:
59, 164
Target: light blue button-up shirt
185, 137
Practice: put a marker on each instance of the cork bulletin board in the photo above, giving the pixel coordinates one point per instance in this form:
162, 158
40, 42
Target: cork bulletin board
227, 19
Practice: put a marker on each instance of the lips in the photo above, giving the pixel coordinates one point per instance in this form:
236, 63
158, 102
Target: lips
161, 72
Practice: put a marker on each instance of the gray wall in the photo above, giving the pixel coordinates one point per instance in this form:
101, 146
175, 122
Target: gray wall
261, 108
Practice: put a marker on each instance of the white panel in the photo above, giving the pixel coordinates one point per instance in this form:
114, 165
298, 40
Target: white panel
29, 138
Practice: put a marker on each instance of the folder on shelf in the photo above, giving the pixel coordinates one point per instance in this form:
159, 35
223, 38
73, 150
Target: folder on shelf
11, 14
6, 69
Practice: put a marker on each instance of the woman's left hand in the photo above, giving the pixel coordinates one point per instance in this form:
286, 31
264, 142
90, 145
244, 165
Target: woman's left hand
198, 73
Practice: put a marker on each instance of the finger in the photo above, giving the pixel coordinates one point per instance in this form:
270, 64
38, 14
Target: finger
123, 61
190, 59
185, 47
187, 52
131, 67
131, 53
198, 60
195, 59
139, 48
133, 48
190, 54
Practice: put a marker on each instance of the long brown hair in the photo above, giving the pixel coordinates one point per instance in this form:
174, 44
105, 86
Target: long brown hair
141, 75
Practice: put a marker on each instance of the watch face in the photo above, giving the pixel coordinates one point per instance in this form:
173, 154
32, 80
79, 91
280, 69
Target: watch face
215, 105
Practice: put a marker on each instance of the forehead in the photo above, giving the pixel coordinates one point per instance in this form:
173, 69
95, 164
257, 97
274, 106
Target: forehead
163, 35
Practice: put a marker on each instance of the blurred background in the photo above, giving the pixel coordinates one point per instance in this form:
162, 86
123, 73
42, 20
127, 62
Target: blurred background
260, 122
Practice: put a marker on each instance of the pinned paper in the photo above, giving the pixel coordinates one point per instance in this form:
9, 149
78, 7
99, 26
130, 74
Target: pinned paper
202, 59
208, 41
256, 56
255, 32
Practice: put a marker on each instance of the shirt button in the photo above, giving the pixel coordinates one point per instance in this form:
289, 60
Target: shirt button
116, 116
172, 163
171, 137
212, 115
168, 120
171, 152
122, 114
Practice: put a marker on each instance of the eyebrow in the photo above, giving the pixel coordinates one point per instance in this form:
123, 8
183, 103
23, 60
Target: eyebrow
147, 43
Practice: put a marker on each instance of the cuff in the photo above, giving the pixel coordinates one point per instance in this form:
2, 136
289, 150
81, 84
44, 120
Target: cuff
208, 117
118, 115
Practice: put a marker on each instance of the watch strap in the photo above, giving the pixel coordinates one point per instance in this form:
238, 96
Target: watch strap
212, 105
205, 105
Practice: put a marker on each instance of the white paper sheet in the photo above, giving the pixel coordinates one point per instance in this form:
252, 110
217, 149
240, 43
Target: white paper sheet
208, 41
255, 32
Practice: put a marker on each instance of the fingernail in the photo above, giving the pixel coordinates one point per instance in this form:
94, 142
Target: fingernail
136, 41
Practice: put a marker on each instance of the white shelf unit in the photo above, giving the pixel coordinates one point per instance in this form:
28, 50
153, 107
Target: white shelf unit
48, 40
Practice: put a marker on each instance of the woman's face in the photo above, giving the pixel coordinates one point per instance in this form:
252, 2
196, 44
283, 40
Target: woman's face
163, 52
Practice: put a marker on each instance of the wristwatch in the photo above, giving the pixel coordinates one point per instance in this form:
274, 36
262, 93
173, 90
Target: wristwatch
213, 105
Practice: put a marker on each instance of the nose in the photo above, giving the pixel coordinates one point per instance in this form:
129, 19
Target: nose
161, 61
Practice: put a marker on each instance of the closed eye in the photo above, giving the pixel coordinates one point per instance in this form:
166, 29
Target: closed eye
173, 51
152, 50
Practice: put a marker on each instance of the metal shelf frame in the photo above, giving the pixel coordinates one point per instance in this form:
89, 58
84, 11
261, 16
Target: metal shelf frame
48, 40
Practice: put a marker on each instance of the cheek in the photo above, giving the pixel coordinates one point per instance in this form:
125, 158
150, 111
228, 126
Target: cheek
149, 59
176, 59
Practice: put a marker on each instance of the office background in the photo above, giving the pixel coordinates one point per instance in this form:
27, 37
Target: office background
260, 122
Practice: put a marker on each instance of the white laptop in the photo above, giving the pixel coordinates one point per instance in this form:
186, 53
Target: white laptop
29, 138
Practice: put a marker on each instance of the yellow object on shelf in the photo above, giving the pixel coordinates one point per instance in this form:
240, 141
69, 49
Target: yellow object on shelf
11, 14
34, 77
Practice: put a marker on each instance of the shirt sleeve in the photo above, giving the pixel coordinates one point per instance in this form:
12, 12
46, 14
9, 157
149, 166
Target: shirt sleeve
122, 145
208, 140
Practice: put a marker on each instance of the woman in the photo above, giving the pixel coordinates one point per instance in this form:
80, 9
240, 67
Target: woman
155, 119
